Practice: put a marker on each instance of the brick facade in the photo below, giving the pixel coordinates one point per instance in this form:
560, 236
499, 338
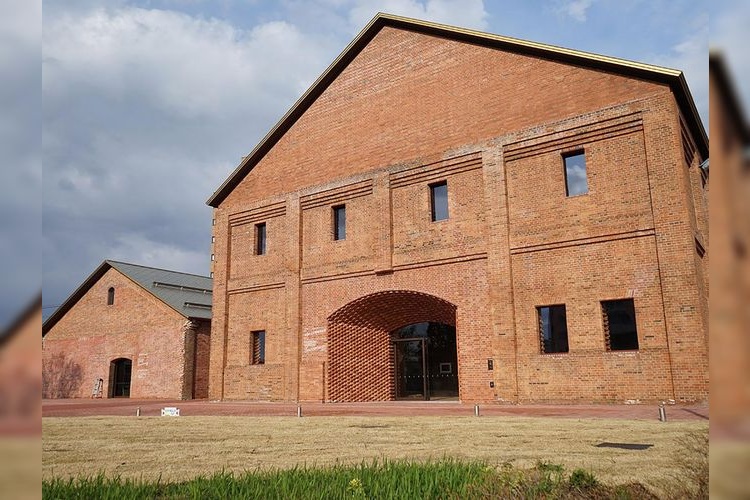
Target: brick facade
413, 109
168, 352
730, 265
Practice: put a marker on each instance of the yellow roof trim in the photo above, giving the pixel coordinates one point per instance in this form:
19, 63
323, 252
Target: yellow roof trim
534, 45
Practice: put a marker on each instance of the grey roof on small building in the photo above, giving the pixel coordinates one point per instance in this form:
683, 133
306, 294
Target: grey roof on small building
188, 294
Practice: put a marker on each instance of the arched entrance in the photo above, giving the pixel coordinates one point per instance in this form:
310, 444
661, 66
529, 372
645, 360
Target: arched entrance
119, 378
365, 339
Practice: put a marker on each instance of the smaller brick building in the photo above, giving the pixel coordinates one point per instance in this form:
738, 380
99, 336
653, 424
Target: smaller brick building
130, 331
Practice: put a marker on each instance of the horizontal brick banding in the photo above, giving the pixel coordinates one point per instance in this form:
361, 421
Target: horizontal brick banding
435, 171
573, 138
336, 195
258, 215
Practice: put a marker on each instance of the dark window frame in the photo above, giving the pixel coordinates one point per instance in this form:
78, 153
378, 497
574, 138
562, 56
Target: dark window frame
111, 296
699, 249
339, 232
258, 347
565, 157
552, 344
615, 332
261, 239
434, 216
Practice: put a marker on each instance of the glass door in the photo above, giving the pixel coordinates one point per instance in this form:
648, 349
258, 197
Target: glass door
411, 382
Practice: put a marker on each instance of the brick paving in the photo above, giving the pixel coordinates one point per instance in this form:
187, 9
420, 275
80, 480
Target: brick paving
152, 407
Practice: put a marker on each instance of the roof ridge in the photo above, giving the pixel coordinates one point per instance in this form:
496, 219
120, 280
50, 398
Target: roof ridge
528, 43
110, 261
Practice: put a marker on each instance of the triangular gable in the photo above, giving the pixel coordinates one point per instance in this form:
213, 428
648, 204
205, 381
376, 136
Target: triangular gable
672, 77
130, 272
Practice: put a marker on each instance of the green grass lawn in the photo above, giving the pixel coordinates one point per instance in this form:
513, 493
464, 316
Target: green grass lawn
381, 480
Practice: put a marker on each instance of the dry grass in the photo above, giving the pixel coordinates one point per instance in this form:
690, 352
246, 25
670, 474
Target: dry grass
730, 463
19, 467
184, 447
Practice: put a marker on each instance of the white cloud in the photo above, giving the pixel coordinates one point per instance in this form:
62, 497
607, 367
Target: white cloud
577, 9
188, 66
134, 247
689, 55
464, 13
145, 113
729, 34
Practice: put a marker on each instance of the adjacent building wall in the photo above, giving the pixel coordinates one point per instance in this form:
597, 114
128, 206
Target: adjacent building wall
78, 349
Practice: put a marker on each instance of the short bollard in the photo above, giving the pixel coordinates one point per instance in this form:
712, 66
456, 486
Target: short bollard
299, 410
662, 413
476, 410
138, 412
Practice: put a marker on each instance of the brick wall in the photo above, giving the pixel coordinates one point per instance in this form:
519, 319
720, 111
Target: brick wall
202, 356
138, 326
21, 375
412, 110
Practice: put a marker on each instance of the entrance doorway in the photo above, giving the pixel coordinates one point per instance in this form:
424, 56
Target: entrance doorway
425, 361
119, 378
366, 339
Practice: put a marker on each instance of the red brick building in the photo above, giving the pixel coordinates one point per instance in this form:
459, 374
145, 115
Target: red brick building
20, 373
135, 331
453, 214
730, 266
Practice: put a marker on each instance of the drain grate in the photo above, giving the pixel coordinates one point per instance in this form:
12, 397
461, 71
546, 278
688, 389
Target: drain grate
625, 446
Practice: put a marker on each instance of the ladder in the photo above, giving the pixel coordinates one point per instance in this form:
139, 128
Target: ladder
98, 386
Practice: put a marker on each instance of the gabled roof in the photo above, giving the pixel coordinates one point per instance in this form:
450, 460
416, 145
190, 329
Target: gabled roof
188, 294
672, 77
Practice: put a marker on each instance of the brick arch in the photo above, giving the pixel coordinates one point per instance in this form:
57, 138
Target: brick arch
360, 353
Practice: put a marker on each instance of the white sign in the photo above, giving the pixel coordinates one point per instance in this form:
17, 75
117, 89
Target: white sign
170, 411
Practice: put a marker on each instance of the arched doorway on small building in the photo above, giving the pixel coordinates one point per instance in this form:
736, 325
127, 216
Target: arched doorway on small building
120, 371
395, 344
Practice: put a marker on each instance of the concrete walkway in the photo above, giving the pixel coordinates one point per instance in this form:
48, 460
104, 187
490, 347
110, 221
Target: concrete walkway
152, 407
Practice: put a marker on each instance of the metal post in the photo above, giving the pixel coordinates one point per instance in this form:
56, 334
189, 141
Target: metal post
476, 410
299, 410
662, 413
138, 412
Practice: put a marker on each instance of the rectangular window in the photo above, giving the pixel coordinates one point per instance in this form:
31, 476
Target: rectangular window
260, 239
553, 329
620, 333
439, 201
258, 348
575, 174
339, 222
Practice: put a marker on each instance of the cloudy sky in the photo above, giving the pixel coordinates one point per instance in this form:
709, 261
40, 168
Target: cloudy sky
147, 106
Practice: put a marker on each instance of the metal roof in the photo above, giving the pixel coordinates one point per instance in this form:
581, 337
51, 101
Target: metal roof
188, 294
672, 77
